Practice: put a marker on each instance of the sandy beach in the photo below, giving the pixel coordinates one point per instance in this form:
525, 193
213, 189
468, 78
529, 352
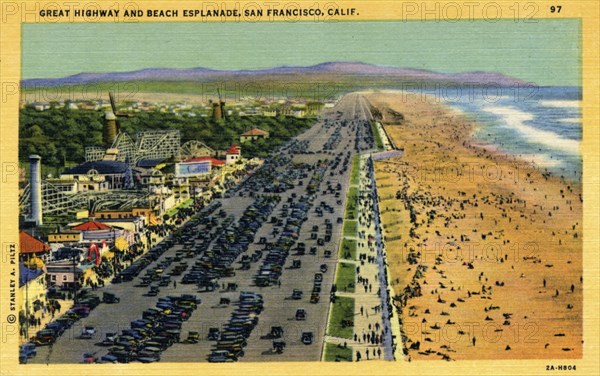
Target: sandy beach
484, 250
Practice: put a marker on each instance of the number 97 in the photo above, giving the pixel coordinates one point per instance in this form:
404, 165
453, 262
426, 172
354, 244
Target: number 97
555, 9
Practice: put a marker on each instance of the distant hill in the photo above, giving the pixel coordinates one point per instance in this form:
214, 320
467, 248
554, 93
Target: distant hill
331, 70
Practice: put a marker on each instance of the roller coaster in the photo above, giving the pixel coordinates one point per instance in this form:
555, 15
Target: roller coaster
55, 201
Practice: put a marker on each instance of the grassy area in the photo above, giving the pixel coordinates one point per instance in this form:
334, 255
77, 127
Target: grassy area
185, 204
351, 203
378, 140
342, 309
355, 170
348, 249
350, 228
346, 277
334, 353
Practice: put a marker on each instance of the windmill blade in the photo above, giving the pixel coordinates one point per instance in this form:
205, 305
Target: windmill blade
112, 103
114, 110
114, 107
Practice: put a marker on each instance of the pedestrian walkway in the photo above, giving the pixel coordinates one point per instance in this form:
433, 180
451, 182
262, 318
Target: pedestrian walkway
372, 339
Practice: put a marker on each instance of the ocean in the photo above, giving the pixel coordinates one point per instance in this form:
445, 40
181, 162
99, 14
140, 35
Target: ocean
538, 124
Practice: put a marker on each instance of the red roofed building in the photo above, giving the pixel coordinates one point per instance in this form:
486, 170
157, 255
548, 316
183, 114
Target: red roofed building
90, 226
93, 231
213, 161
253, 134
29, 245
233, 154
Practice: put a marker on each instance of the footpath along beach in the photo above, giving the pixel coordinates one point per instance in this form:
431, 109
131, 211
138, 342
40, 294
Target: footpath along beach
484, 250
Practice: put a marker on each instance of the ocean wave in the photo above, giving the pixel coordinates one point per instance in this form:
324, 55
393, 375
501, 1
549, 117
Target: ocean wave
516, 120
570, 120
562, 104
542, 160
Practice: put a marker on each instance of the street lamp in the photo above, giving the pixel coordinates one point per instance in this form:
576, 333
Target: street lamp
74, 259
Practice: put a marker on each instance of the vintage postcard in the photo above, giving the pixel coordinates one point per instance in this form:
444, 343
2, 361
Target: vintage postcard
350, 187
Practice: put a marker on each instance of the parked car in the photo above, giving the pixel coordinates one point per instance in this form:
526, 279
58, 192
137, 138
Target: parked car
301, 314
110, 298
28, 350
89, 358
107, 359
88, 332
220, 356
297, 294
44, 337
307, 338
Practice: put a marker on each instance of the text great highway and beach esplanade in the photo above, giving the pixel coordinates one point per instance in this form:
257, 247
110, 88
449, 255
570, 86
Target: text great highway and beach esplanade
288, 11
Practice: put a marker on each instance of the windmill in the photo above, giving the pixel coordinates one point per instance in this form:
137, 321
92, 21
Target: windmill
218, 108
112, 127
221, 103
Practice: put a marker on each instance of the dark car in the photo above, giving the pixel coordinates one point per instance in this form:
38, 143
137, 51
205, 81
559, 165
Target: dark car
44, 337
110, 298
214, 334
108, 359
307, 338
314, 298
221, 356
154, 290
301, 314
87, 332
57, 327
297, 294
28, 350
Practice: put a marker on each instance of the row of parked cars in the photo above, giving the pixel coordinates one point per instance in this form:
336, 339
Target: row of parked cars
133, 270
157, 329
85, 303
270, 271
297, 214
345, 163
265, 176
196, 275
334, 140
364, 136
217, 261
233, 338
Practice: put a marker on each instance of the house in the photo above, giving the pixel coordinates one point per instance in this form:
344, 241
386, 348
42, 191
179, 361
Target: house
94, 231
111, 172
30, 246
233, 154
146, 213
65, 236
63, 273
134, 225
254, 134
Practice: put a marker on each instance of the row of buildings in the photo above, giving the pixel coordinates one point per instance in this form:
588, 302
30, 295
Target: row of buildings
244, 107
76, 220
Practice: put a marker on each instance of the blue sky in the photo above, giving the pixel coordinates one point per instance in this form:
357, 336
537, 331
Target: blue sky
546, 52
